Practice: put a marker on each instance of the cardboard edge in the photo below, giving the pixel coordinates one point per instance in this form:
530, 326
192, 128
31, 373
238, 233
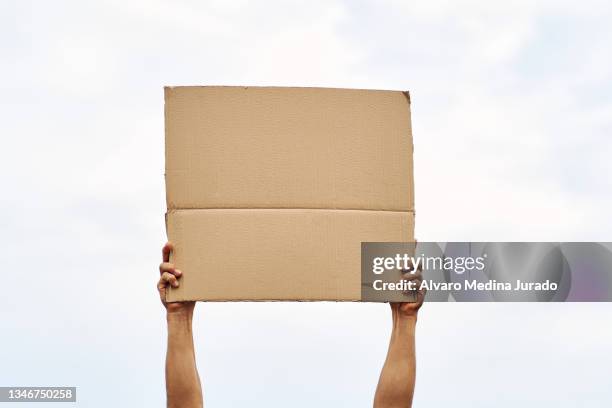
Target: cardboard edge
278, 300
167, 95
168, 89
412, 204
407, 95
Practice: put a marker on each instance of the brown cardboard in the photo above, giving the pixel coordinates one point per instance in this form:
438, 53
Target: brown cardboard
270, 191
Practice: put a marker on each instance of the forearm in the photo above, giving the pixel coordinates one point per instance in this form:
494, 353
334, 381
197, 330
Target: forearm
397, 379
183, 387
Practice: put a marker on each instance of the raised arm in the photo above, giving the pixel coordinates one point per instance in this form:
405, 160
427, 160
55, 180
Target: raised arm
396, 384
183, 388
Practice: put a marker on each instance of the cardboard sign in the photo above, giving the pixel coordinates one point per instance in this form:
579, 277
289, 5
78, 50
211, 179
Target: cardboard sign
270, 191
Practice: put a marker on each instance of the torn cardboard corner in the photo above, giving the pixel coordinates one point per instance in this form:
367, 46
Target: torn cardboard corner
270, 191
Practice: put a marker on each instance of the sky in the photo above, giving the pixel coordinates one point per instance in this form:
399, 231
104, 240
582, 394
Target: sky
512, 113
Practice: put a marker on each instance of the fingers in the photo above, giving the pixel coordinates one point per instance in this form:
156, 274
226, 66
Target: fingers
169, 267
416, 279
166, 279
166, 250
412, 275
415, 276
411, 269
420, 290
421, 296
414, 283
166, 266
169, 275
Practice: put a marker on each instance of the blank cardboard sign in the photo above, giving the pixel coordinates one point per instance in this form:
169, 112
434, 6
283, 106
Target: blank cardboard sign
270, 191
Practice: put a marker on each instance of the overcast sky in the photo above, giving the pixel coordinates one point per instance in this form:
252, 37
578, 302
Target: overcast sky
512, 116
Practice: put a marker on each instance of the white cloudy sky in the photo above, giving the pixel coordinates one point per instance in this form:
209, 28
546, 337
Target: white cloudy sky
512, 119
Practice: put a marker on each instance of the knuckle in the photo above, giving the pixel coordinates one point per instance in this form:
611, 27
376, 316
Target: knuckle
166, 267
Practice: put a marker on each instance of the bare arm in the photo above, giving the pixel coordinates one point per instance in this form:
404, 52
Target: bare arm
183, 388
396, 384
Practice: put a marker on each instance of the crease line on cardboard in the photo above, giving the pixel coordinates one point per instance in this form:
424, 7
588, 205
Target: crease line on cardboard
170, 210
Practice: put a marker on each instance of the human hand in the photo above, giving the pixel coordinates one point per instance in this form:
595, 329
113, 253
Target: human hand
411, 309
169, 276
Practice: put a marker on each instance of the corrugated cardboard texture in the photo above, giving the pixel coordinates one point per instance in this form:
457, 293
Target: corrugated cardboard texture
232, 147
277, 254
270, 191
